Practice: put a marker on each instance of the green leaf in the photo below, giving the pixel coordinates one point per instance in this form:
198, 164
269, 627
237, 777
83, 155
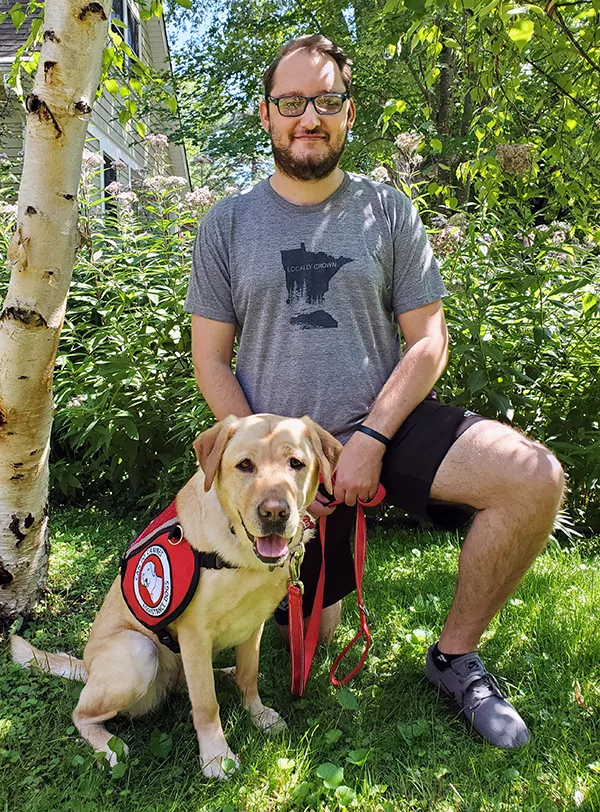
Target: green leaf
333, 736
171, 103
521, 32
18, 18
417, 6
161, 744
119, 770
228, 765
286, 764
347, 699
436, 144
358, 756
112, 86
500, 401
345, 796
141, 129
477, 380
589, 300
331, 774
77, 760
117, 746
124, 116
185, 3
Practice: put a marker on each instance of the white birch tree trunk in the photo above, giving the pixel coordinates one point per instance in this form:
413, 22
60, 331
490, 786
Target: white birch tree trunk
41, 256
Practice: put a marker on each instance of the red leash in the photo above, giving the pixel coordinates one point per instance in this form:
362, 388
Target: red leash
302, 648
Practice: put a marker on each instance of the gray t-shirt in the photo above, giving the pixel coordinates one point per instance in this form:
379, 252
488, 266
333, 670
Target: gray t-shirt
314, 291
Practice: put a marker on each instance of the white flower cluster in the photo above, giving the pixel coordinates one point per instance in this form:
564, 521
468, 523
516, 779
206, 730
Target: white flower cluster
113, 188
127, 198
119, 164
450, 235
408, 142
201, 198
231, 190
8, 209
78, 400
91, 160
157, 142
164, 183
3, 157
380, 174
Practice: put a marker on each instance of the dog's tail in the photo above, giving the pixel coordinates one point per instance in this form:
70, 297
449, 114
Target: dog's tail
63, 665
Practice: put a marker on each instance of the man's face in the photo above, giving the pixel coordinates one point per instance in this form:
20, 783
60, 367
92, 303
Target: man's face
307, 147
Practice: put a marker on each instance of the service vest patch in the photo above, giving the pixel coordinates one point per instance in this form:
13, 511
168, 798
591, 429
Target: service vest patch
160, 572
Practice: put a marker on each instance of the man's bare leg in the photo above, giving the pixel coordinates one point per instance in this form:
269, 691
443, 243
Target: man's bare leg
516, 485
330, 620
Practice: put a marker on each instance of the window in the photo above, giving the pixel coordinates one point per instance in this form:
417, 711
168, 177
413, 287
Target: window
110, 176
124, 11
117, 11
133, 31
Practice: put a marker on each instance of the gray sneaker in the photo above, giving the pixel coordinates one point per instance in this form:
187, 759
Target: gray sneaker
479, 697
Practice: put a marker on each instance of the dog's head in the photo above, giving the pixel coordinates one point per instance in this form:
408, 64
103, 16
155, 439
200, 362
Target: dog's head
265, 470
149, 575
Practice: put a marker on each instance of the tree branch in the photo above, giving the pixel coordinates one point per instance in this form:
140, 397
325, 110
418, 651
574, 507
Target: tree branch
558, 16
562, 90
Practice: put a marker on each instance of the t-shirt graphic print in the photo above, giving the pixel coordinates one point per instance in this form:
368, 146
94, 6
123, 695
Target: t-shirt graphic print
307, 277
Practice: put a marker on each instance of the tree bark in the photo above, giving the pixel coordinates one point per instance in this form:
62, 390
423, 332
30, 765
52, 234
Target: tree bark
42, 254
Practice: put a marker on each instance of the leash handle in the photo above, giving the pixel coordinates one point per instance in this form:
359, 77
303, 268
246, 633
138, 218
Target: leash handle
302, 648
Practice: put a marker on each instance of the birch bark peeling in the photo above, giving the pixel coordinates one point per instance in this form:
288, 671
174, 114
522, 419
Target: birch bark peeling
41, 258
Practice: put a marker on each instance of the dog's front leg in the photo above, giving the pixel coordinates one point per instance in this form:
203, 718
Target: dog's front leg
196, 653
246, 678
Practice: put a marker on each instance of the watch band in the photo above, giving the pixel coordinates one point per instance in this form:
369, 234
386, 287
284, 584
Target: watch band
375, 434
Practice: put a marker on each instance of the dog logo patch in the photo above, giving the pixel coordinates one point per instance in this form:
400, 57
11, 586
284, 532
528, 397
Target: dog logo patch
160, 572
152, 581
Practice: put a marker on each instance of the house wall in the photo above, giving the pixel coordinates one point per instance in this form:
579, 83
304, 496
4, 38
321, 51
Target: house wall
105, 133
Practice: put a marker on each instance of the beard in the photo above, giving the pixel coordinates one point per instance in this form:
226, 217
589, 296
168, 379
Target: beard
307, 167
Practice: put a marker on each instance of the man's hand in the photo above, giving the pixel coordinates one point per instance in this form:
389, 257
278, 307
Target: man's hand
358, 469
319, 507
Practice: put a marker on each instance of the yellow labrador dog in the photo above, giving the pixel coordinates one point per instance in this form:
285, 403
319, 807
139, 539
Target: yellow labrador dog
246, 503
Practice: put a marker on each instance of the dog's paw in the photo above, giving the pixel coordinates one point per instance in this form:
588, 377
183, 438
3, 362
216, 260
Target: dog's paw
221, 765
270, 721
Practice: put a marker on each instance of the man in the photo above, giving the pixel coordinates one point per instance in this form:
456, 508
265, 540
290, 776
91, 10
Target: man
315, 270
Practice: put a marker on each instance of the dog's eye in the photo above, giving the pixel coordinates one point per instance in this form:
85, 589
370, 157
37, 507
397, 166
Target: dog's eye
245, 466
296, 463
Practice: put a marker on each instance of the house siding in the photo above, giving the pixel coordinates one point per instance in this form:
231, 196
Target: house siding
105, 132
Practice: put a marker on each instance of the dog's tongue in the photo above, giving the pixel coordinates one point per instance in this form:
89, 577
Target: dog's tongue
272, 546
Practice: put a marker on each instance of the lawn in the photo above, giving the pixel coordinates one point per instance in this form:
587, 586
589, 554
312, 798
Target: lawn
388, 743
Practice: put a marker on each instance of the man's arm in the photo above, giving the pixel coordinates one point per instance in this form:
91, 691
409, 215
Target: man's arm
212, 351
425, 358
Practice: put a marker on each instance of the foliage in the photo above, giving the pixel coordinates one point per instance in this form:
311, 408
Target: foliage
386, 744
467, 75
525, 328
127, 406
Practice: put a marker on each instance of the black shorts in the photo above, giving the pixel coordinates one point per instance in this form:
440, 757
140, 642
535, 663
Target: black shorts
409, 468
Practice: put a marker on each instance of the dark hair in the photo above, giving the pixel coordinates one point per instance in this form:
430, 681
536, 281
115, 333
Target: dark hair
317, 44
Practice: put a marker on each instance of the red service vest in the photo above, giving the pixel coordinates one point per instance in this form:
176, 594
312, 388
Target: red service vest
160, 572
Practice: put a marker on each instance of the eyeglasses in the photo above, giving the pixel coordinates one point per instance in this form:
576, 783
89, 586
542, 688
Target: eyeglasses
326, 104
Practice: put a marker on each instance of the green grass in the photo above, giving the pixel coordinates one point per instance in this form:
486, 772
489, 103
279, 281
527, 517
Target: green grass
412, 750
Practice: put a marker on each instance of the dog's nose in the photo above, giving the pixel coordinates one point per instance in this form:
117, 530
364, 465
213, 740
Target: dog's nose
274, 510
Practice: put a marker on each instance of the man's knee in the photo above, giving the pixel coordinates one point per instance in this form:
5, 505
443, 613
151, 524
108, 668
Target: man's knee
537, 477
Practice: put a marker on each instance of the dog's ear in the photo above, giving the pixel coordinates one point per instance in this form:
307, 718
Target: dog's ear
210, 445
327, 449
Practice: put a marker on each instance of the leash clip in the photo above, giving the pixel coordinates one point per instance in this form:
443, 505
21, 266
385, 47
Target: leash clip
296, 558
